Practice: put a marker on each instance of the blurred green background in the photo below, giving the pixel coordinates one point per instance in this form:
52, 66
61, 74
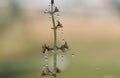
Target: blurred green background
92, 29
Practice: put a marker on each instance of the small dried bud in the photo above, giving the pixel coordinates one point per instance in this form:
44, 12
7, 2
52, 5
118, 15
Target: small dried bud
58, 70
43, 73
64, 47
59, 25
56, 10
44, 48
52, 2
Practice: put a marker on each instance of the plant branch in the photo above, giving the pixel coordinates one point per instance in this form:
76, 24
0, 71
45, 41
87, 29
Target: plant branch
55, 30
55, 42
45, 48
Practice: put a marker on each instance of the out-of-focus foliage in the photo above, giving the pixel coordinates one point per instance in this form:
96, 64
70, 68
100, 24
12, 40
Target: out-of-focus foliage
10, 14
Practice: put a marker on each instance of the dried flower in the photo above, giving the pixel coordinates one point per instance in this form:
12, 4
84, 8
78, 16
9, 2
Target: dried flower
43, 73
52, 2
53, 12
44, 48
56, 10
58, 70
59, 25
64, 47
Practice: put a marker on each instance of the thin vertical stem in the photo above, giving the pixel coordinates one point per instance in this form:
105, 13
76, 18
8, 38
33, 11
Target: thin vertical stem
55, 42
55, 31
55, 64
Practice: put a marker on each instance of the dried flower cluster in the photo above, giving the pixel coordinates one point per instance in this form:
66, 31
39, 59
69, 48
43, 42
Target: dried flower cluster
49, 73
63, 48
46, 49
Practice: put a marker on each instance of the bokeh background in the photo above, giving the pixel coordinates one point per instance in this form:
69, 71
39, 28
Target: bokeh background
91, 27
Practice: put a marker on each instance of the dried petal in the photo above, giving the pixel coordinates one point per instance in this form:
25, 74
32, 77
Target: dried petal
44, 48
66, 45
43, 73
58, 70
52, 2
59, 25
56, 9
62, 48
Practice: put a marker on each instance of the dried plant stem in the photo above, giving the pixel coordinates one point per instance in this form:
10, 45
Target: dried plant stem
55, 42
55, 65
45, 48
55, 30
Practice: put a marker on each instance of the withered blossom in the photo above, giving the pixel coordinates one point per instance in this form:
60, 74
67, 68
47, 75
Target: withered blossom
53, 11
56, 10
44, 48
43, 73
52, 2
64, 47
59, 25
58, 70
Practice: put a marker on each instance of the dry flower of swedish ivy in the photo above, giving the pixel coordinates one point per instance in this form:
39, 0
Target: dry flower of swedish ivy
58, 70
56, 10
46, 49
52, 2
64, 47
59, 25
43, 73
